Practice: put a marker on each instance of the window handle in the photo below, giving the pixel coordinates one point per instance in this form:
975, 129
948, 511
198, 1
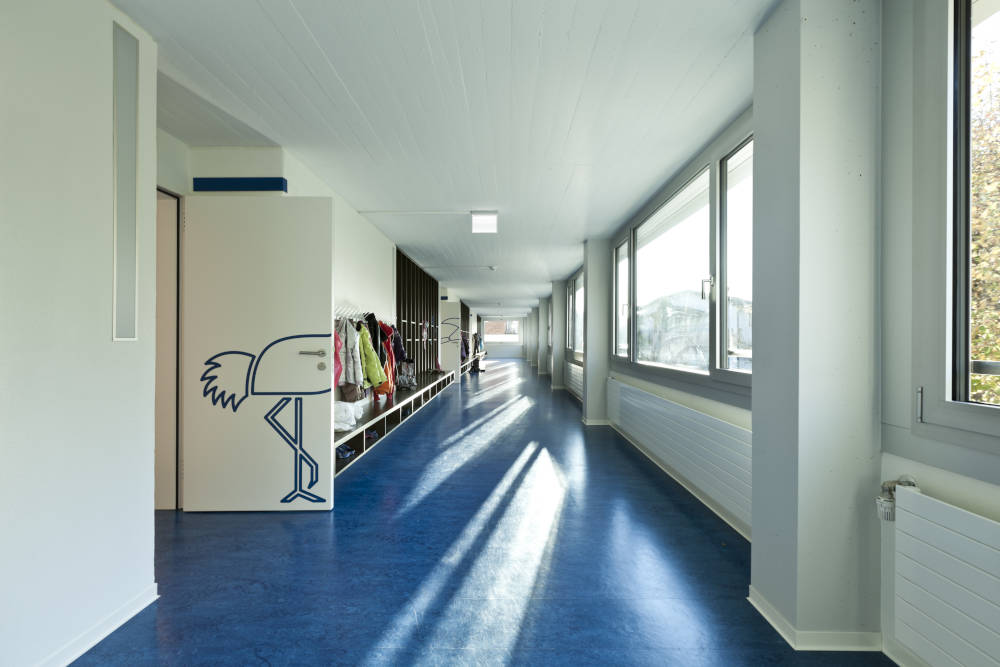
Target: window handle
711, 282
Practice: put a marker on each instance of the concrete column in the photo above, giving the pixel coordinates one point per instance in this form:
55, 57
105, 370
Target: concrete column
531, 344
816, 434
597, 330
558, 305
543, 337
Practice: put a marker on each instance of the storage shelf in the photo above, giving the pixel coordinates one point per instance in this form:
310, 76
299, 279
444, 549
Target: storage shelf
386, 413
467, 364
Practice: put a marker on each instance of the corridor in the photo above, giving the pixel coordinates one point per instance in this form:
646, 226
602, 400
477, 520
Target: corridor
491, 528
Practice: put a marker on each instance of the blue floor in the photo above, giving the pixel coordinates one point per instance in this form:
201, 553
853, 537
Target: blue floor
490, 528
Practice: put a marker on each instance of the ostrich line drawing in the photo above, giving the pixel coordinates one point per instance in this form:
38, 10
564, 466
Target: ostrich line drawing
231, 376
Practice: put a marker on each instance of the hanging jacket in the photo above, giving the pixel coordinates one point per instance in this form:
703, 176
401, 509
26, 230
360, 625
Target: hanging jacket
398, 351
350, 354
374, 375
338, 359
378, 337
389, 386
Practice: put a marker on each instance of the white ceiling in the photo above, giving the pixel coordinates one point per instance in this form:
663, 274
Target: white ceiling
564, 116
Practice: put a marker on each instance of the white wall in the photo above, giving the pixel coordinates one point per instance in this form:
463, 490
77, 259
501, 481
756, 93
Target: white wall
173, 163
504, 351
364, 257
76, 409
450, 317
364, 261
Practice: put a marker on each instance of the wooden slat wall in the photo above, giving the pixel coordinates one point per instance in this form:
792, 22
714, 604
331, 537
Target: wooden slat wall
416, 302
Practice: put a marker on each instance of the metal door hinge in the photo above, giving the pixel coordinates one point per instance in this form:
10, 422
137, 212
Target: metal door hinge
920, 405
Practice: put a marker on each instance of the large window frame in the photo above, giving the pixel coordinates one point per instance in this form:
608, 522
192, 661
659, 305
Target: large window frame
718, 383
951, 434
573, 355
616, 339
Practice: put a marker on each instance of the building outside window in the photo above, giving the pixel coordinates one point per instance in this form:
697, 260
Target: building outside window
673, 281
502, 331
579, 307
622, 305
736, 284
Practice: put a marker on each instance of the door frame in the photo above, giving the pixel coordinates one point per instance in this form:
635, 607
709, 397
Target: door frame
177, 345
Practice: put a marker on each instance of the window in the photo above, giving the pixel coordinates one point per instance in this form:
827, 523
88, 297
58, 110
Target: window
977, 206
502, 331
682, 274
736, 278
579, 307
622, 313
672, 273
570, 293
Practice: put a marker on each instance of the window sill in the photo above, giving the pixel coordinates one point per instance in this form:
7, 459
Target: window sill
720, 386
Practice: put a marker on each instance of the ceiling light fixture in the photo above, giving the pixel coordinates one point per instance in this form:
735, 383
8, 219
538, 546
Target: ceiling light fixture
484, 222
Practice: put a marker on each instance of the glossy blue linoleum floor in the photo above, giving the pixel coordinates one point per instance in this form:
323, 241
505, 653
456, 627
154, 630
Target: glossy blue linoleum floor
490, 528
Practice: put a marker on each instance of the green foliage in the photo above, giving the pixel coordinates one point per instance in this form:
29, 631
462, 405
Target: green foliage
984, 227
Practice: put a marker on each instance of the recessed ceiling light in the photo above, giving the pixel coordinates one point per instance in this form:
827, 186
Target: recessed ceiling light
484, 222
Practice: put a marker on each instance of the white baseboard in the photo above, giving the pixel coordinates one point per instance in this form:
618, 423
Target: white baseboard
596, 422
708, 502
104, 627
557, 386
808, 640
901, 655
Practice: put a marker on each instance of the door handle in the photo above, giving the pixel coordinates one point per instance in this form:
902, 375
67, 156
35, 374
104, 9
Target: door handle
313, 353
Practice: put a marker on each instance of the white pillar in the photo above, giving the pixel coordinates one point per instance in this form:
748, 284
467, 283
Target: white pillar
597, 330
558, 305
543, 337
531, 344
816, 436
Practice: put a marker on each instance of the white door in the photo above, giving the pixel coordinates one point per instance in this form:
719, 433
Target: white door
256, 367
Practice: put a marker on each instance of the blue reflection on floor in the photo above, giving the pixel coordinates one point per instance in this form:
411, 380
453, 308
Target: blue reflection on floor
524, 539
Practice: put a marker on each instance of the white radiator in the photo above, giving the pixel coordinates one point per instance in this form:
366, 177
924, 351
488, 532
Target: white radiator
574, 379
710, 454
947, 582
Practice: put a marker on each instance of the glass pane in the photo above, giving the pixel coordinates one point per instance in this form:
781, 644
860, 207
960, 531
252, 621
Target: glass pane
126, 117
671, 261
984, 209
578, 309
621, 300
569, 315
501, 331
739, 260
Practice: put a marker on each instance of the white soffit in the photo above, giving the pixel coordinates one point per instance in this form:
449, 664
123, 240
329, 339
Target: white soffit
563, 116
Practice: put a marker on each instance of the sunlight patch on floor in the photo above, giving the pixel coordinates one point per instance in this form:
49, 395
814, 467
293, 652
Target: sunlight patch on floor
401, 629
452, 459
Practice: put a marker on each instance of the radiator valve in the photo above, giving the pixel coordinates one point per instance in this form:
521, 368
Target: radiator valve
885, 502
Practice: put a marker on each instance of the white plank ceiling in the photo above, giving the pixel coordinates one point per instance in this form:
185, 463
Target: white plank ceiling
563, 115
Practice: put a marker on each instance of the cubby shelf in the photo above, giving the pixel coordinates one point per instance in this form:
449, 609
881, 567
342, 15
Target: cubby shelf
384, 414
467, 364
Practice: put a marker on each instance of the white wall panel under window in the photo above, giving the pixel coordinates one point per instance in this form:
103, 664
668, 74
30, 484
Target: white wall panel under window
710, 454
574, 379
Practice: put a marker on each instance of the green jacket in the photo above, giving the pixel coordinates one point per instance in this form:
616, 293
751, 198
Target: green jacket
374, 375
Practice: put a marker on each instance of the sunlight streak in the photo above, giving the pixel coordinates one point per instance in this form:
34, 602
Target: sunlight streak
402, 628
451, 460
